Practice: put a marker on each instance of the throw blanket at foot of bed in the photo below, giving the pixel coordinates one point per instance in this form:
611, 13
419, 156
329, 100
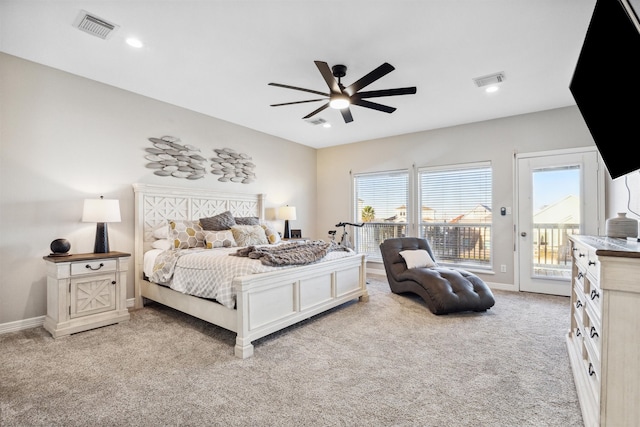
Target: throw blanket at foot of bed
291, 253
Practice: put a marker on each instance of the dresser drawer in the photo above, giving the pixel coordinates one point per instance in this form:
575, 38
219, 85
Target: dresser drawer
578, 303
91, 267
581, 255
592, 330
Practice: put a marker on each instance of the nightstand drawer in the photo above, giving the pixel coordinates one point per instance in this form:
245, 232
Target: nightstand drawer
92, 267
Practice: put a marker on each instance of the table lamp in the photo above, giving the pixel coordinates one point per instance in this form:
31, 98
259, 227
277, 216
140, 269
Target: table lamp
101, 211
288, 213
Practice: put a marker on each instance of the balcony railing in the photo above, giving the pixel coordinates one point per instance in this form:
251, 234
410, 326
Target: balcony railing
460, 244
469, 245
551, 247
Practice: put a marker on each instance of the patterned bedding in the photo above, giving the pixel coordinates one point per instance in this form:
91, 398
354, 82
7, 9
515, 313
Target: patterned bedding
209, 273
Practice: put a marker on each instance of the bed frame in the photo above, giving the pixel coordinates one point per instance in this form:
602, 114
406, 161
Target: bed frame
266, 302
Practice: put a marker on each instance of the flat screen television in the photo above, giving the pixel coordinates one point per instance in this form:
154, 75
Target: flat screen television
606, 83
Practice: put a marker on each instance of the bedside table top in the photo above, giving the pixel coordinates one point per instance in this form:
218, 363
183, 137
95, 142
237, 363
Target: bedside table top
85, 257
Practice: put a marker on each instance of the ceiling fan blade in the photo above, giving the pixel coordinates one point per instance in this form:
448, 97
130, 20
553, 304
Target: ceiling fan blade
298, 102
299, 88
346, 115
387, 92
324, 69
379, 72
313, 113
373, 105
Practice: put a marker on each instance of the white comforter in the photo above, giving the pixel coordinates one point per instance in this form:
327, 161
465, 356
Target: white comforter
208, 273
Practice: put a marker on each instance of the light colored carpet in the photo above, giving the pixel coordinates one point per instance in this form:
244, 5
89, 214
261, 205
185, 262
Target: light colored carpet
386, 362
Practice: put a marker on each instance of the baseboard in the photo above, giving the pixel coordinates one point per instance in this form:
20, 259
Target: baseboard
502, 287
20, 325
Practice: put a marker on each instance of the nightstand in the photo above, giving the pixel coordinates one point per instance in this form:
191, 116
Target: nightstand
86, 291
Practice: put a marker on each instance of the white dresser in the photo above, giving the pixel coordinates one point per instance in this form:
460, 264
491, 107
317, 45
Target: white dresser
604, 340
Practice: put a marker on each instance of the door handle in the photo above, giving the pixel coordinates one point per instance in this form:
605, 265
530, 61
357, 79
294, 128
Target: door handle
523, 234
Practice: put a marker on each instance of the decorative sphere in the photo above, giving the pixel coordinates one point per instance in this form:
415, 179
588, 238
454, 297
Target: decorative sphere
60, 246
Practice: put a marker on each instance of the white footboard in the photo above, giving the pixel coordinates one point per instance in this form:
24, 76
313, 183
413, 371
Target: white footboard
272, 301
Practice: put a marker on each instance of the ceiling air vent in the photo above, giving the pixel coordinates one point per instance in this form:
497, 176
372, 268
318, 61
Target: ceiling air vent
318, 121
93, 25
491, 79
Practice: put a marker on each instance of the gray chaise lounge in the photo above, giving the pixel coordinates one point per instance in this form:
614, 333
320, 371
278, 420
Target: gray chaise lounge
443, 289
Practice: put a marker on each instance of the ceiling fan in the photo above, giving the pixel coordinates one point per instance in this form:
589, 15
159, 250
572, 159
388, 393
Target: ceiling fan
340, 97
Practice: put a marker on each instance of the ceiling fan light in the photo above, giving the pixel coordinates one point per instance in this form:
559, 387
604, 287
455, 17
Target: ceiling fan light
339, 102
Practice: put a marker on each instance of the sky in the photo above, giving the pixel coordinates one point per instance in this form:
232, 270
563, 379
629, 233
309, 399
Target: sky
549, 186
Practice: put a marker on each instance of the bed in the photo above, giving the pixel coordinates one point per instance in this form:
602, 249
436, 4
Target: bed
265, 302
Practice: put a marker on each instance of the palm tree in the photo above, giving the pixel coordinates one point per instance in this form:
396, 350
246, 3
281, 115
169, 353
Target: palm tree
368, 214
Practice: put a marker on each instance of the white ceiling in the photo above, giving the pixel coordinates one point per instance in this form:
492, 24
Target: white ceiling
217, 57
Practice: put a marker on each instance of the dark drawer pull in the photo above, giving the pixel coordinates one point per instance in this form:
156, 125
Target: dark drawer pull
580, 254
94, 269
592, 371
592, 263
594, 294
113, 282
578, 333
578, 304
594, 333
580, 275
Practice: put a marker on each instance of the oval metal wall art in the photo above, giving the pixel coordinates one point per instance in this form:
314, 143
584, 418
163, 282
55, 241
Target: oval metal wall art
169, 157
233, 166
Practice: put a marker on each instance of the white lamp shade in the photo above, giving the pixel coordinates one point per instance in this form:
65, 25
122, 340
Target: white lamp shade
287, 212
101, 210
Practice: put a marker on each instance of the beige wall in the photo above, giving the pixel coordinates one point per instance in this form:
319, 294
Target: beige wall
495, 141
65, 138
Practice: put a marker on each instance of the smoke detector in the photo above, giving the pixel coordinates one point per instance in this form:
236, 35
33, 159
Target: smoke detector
315, 122
94, 25
491, 79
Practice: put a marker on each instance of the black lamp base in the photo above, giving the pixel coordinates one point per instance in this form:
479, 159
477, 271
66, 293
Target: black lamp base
102, 239
287, 232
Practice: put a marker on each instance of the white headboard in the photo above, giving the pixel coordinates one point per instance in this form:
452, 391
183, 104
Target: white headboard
155, 204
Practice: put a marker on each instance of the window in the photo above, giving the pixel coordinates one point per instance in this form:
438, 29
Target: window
381, 203
455, 213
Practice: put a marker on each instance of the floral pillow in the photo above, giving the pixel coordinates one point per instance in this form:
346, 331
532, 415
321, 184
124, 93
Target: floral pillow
186, 234
219, 239
249, 235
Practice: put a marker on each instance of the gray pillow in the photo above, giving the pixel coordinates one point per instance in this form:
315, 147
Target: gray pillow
247, 220
223, 221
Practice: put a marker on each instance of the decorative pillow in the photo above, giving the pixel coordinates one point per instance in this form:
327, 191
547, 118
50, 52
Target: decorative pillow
164, 244
219, 239
161, 231
417, 258
186, 234
223, 221
247, 220
272, 235
248, 235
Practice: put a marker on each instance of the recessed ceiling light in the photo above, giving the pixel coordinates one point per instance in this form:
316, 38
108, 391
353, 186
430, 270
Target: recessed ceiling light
326, 125
491, 89
133, 42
